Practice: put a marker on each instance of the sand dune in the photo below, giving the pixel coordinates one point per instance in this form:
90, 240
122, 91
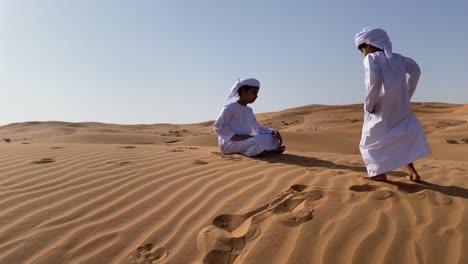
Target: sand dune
106, 193
465, 107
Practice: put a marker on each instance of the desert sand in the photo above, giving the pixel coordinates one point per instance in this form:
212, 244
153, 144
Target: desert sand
163, 193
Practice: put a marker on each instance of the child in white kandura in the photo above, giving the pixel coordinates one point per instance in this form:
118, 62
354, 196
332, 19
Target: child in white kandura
237, 128
392, 136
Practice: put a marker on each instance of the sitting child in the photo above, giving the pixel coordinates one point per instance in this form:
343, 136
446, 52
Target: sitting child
237, 128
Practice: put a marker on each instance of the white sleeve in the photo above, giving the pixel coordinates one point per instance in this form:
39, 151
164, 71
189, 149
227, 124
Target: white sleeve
220, 124
374, 83
258, 129
412, 68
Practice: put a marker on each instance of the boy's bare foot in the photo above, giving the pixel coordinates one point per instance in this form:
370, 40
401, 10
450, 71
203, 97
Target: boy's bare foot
412, 173
279, 150
414, 178
380, 177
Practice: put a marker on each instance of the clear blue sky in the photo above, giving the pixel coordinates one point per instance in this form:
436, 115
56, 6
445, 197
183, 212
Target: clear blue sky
174, 61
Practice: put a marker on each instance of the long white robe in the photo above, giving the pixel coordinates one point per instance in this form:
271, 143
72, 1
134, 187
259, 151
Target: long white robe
392, 136
236, 119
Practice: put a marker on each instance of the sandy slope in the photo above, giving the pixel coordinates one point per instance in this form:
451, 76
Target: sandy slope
105, 193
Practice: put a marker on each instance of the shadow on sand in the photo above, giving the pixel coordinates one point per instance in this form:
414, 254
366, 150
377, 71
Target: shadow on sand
310, 162
451, 190
410, 187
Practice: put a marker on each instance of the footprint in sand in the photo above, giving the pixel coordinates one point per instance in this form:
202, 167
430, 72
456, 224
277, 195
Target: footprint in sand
416, 190
128, 147
287, 205
43, 161
313, 195
57, 147
147, 255
232, 222
437, 198
298, 187
363, 188
200, 162
381, 194
177, 150
220, 246
226, 238
171, 141
421, 193
434, 197
227, 157
374, 192
297, 210
294, 206
218, 256
297, 216
410, 188
121, 163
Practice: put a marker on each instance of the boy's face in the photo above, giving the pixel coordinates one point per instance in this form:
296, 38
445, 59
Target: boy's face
249, 96
367, 49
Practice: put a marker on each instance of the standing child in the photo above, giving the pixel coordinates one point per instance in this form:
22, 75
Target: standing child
392, 136
237, 128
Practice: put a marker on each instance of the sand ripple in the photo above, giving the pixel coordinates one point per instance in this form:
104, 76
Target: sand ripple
97, 203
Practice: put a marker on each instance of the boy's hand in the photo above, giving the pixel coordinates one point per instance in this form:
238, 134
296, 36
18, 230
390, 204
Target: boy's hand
277, 135
240, 137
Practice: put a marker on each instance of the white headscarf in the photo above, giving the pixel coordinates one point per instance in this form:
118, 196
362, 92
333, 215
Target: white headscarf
249, 81
376, 37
